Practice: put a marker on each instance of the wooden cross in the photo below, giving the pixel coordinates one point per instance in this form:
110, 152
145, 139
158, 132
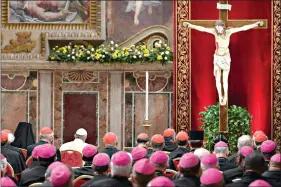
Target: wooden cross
223, 15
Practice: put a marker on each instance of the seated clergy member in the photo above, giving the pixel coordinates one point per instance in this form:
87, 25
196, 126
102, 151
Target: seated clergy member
143, 172
13, 158
120, 166
138, 153
273, 175
157, 144
88, 153
110, 141
46, 137
258, 138
200, 152
3, 166
259, 183
49, 171
169, 136
6, 181
189, 166
78, 143
244, 140
209, 161
254, 166
182, 141
212, 178
160, 160
34, 156
61, 176
237, 173
268, 149
11, 139
46, 156
142, 140
161, 181
100, 167
221, 151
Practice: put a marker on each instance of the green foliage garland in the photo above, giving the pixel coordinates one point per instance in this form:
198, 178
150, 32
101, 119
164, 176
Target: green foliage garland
239, 121
111, 53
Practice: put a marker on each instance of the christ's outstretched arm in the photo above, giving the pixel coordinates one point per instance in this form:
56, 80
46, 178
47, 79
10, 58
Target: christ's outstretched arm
199, 28
245, 27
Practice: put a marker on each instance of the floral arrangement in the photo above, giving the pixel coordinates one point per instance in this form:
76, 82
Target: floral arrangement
112, 53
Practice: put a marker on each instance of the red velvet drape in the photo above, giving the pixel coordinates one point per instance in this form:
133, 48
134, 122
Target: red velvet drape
250, 75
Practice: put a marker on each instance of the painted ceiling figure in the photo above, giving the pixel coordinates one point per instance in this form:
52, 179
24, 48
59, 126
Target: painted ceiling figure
222, 57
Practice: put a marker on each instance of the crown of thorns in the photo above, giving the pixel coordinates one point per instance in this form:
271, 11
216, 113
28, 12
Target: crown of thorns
220, 23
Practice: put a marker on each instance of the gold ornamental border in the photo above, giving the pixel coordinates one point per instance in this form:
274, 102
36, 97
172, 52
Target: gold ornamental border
94, 22
182, 70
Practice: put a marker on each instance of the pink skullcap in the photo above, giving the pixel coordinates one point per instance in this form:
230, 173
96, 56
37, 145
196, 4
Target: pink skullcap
188, 160
276, 158
54, 165
159, 157
161, 181
211, 176
221, 144
101, 159
144, 166
2, 156
259, 183
246, 150
138, 153
209, 160
35, 151
89, 151
47, 151
268, 146
121, 158
6, 181
60, 175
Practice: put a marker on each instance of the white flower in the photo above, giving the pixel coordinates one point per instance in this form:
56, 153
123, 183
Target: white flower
165, 45
140, 56
165, 58
73, 57
112, 48
106, 52
139, 52
76, 54
130, 50
88, 52
157, 45
88, 58
167, 52
111, 42
92, 49
54, 48
72, 52
162, 53
116, 45
102, 56
69, 47
68, 55
57, 46
134, 56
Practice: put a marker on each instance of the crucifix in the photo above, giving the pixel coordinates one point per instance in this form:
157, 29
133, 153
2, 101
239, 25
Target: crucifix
222, 29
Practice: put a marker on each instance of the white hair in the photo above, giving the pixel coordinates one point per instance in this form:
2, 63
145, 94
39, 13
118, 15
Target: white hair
244, 140
11, 138
203, 167
200, 152
123, 171
3, 164
223, 150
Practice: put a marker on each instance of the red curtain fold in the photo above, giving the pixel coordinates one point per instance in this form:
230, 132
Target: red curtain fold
250, 75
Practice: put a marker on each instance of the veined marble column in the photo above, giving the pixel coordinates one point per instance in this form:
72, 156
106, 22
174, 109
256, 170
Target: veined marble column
45, 89
116, 105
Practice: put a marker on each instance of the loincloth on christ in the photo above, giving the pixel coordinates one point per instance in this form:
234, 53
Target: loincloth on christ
222, 61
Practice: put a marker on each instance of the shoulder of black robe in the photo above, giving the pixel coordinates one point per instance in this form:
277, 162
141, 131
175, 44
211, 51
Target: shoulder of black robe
33, 175
16, 150
232, 174
23, 135
246, 180
187, 181
83, 171
225, 164
170, 146
273, 177
113, 182
178, 152
232, 158
14, 158
95, 179
110, 151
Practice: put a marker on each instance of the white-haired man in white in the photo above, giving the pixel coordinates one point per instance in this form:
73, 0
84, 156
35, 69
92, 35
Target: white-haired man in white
200, 152
244, 140
78, 143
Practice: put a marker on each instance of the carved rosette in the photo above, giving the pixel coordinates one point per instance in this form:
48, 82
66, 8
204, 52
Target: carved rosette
182, 68
276, 108
80, 76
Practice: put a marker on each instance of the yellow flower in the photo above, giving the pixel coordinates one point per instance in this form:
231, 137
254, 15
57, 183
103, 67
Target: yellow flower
97, 56
168, 48
52, 57
146, 54
143, 47
127, 53
159, 57
124, 48
114, 55
80, 54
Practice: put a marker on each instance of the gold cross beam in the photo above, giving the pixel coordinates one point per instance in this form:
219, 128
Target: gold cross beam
223, 15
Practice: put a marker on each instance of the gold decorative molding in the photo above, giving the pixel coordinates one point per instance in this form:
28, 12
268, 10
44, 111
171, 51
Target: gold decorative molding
276, 108
94, 22
182, 68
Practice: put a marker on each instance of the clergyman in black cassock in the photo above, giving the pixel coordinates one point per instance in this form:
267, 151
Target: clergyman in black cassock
31, 147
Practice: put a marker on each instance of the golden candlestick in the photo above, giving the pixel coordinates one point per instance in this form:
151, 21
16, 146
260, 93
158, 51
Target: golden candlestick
146, 124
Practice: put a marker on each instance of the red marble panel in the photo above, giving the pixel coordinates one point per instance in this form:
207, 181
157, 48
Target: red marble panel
80, 112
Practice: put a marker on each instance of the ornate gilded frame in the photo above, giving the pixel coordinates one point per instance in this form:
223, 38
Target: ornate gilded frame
182, 70
96, 20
